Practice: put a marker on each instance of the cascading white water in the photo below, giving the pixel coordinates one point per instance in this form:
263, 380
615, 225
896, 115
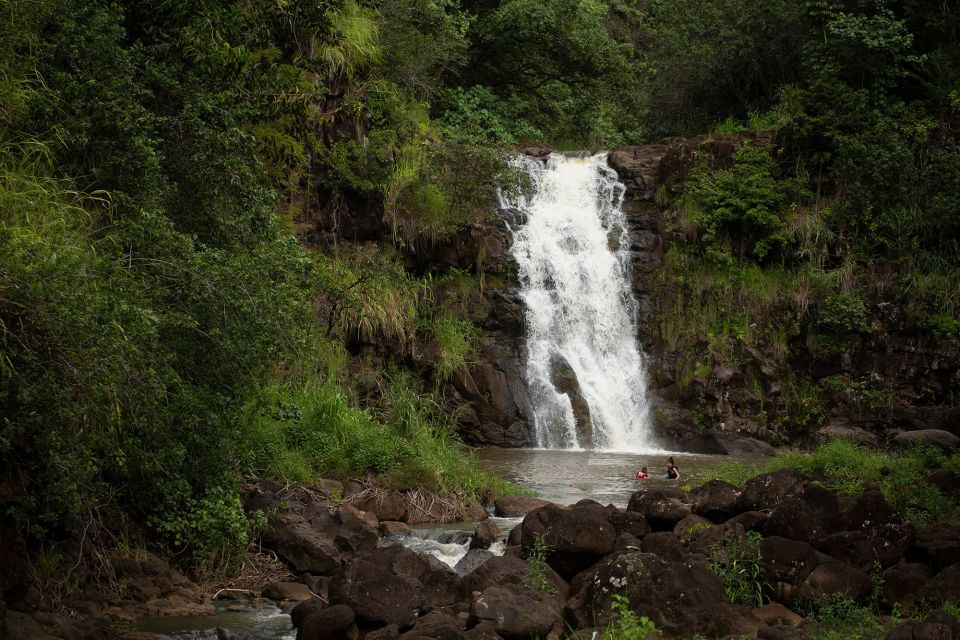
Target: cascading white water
572, 250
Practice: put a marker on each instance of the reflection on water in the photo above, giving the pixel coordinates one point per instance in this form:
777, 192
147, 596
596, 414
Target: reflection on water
564, 476
267, 623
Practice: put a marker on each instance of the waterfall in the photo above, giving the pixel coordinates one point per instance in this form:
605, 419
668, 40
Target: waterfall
584, 369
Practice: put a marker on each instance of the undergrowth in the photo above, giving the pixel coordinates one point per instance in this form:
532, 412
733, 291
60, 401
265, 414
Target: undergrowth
848, 468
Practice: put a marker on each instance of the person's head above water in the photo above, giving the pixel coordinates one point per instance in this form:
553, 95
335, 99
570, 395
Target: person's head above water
670, 461
643, 469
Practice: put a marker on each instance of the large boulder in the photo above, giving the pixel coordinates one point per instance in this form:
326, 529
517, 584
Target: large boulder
575, 538
472, 560
516, 506
517, 612
681, 599
716, 500
630, 522
331, 623
871, 532
786, 565
663, 508
806, 517
832, 578
664, 544
290, 591
766, 490
929, 438
317, 539
392, 585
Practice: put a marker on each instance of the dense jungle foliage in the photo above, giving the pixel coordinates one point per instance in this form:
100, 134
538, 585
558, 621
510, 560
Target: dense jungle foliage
167, 330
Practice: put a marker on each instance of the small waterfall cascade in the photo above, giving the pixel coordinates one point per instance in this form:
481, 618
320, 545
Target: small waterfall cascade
584, 369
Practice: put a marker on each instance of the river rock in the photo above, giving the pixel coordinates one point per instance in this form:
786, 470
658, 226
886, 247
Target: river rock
332, 623
516, 506
299, 613
517, 612
292, 591
473, 559
766, 490
320, 539
484, 535
575, 537
663, 508
929, 438
681, 599
716, 500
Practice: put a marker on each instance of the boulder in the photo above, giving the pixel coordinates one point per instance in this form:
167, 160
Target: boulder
750, 520
517, 612
832, 578
946, 481
320, 539
516, 506
436, 625
484, 631
630, 522
929, 438
663, 508
292, 591
664, 544
390, 528
716, 500
304, 609
766, 490
386, 505
913, 630
484, 535
901, 583
786, 565
681, 599
690, 526
944, 586
473, 559
774, 613
884, 537
391, 585
939, 545
332, 623
506, 569
806, 517
575, 537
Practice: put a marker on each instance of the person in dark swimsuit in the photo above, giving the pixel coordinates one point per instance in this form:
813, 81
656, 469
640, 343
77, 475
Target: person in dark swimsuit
673, 471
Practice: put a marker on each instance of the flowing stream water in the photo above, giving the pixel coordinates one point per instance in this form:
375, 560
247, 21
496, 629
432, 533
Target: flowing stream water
584, 369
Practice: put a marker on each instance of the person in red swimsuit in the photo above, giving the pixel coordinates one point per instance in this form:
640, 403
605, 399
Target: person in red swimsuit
642, 474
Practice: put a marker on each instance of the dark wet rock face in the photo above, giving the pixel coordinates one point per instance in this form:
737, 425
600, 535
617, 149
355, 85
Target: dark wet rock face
575, 537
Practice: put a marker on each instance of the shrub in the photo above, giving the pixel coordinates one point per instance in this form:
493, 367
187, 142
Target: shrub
627, 624
738, 562
843, 313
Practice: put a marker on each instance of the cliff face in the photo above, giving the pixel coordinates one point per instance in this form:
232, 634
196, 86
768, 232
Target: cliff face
869, 384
